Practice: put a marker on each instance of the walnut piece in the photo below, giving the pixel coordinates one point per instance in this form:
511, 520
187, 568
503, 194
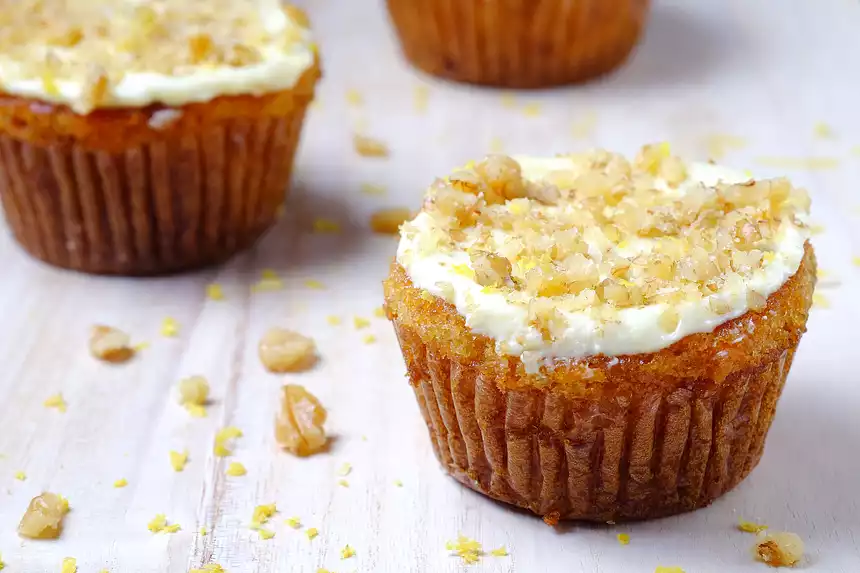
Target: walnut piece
193, 390
283, 350
110, 344
490, 269
44, 517
779, 549
299, 424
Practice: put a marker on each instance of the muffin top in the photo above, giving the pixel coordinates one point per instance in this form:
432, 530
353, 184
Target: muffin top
587, 254
92, 54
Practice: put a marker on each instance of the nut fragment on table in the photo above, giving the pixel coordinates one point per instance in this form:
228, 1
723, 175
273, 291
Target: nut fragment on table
369, 147
299, 424
778, 549
283, 350
110, 344
193, 390
44, 517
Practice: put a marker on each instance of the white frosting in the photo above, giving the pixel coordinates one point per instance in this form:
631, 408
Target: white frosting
279, 69
636, 329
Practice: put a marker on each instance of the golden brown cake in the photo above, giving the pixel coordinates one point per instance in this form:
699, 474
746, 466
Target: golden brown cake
518, 43
141, 138
592, 338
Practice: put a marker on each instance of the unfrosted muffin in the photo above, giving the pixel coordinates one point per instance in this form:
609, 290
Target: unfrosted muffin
148, 137
592, 338
518, 43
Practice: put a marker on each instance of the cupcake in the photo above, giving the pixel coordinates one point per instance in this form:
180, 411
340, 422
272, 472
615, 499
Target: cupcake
144, 138
518, 43
592, 338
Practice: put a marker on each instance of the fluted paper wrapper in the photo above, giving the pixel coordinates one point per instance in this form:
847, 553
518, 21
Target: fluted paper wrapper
167, 205
597, 459
518, 43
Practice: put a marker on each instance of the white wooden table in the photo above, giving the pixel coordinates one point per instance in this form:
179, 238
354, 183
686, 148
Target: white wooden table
764, 71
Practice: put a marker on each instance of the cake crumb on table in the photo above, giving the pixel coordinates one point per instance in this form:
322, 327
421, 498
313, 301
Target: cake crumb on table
236, 469
69, 565
223, 440
20, 476
333, 320
193, 390
372, 189
420, 98
369, 339
672, 569
312, 532
178, 460
369, 147
110, 344
469, 550
265, 533
214, 292
262, 514
56, 401
121, 482
342, 483
159, 524
293, 522
499, 552
823, 131
360, 322
210, 568
778, 549
169, 327
623, 538
354, 98
314, 284
326, 226
750, 527
347, 552
345, 469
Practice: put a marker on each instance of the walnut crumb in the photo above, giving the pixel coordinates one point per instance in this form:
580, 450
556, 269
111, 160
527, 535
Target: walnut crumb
369, 147
110, 344
44, 517
299, 424
778, 549
283, 350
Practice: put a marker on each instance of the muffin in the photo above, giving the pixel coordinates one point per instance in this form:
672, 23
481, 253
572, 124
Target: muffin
518, 43
597, 339
143, 138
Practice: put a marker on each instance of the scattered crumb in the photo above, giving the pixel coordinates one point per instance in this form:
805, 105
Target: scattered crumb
56, 401
299, 425
178, 460
552, 518
110, 344
269, 281
468, 550
20, 476
193, 390
509, 100
360, 322
662, 569
203, 531
347, 552
223, 440
326, 226
324, 570
379, 312
70, 565
584, 128
333, 320
266, 533
294, 522
345, 469
195, 410
497, 145
623, 538
140, 346
159, 524
420, 97
719, 144
499, 552
44, 516
398, 483
121, 482
2, 564
312, 532
236, 469
314, 284
808, 163
169, 327
354, 98
388, 221
823, 131
778, 549
856, 261
214, 292
369, 147
749, 526
283, 350
820, 301
369, 339
372, 189
363, 438
210, 568
342, 483
532, 109
262, 514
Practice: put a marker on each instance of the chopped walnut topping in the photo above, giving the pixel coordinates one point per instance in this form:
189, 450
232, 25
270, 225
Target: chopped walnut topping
44, 517
110, 344
779, 549
283, 350
299, 425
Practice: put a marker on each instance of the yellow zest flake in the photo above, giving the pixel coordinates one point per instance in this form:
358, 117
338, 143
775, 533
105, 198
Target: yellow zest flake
463, 270
856, 261
347, 552
121, 482
324, 226
623, 538
140, 346
768, 257
203, 531
342, 483
312, 532
662, 569
420, 97
262, 514
360, 322
372, 189
223, 438
214, 292
584, 128
369, 339
266, 533
195, 410
294, 522
379, 312
50, 85
750, 527
20, 476
345, 469
719, 144
324, 570
823, 131
807, 163
178, 460
56, 401
209, 568
820, 301
468, 550
354, 97
314, 285
532, 109
159, 524
333, 320
169, 327
69, 565
369, 147
499, 552
236, 469
269, 281
398, 483
509, 100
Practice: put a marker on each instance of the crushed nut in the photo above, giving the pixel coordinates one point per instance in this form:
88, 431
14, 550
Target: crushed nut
223, 440
283, 350
56, 401
193, 390
110, 344
750, 527
778, 549
44, 517
369, 147
469, 550
262, 514
159, 524
299, 425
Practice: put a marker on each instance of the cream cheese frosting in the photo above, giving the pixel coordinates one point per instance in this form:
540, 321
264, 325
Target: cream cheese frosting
93, 54
559, 266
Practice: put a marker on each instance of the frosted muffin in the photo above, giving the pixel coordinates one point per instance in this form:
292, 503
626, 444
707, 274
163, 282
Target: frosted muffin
140, 138
592, 338
518, 43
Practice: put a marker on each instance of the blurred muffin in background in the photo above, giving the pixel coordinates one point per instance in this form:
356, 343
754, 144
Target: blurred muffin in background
518, 43
144, 138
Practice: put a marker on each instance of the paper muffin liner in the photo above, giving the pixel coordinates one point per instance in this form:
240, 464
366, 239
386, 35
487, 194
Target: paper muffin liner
600, 458
180, 201
518, 43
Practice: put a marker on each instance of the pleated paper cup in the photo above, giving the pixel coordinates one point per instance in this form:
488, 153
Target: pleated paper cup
148, 191
518, 43
603, 439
